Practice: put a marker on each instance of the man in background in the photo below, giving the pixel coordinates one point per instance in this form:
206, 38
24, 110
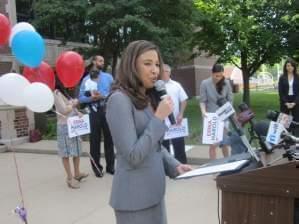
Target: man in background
179, 98
97, 118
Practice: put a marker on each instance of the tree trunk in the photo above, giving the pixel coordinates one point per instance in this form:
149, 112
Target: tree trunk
246, 93
246, 75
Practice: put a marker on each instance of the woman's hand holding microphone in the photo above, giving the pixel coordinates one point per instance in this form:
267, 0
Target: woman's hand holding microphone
164, 108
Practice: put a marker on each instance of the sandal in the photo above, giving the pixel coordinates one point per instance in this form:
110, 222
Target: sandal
72, 183
81, 176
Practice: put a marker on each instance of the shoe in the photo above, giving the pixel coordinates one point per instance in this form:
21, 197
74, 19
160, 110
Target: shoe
98, 171
72, 183
81, 176
111, 171
99, 174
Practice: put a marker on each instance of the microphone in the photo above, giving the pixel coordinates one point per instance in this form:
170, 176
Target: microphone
287, 137
161, 90
239, 130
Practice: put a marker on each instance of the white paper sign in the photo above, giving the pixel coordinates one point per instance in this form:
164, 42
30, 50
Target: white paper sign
225, 111
212, 129
285, 119
274, 132
78, 125
176, 131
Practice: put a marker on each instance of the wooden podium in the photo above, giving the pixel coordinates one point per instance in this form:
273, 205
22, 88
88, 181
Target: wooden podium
268, 195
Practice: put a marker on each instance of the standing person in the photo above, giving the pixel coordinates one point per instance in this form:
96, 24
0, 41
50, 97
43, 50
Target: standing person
211, 90
98, 121
68, 147
288, 89
142, 162
179, 98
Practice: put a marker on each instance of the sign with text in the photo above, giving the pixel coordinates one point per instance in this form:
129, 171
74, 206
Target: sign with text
274, 132
225, 111
212, 129
78, 125
176, 131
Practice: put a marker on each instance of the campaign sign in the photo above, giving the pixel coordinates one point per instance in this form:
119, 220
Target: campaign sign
285, 119
274, 132
78, 125
212, 129
176, 131
225, 111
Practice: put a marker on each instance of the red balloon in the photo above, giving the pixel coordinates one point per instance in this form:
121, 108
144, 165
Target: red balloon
5, 29
70, 68
44, 73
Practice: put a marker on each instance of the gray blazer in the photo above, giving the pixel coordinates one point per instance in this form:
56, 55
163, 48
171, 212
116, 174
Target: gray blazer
209, 95
142, 163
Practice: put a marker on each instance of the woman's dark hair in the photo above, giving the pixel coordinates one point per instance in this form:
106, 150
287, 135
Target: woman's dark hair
219, 85
129, 81
217, 68
293, 63
67, 92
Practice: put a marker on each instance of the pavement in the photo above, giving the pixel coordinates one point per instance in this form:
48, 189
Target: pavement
196, 154
48, 200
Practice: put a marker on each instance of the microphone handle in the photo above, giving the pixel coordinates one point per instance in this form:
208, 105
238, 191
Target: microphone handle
171, 119
170, 116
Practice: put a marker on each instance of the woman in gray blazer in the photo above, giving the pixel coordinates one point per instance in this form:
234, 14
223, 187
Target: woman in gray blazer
211, 90
135, 118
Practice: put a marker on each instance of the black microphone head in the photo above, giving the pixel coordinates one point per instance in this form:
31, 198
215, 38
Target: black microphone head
160, 85
272, 115
261, 128
221, 101
243, 106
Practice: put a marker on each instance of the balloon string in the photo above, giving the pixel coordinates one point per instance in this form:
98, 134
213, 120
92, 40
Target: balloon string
90, 157
16, 166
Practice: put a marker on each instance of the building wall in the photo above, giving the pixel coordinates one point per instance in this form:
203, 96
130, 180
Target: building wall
191, 75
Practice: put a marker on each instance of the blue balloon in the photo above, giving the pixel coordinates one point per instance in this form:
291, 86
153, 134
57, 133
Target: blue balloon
28, 47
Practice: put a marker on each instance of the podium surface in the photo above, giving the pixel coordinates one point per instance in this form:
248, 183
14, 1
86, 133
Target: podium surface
267, 195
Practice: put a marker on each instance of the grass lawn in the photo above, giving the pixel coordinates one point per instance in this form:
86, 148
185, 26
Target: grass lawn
261, 102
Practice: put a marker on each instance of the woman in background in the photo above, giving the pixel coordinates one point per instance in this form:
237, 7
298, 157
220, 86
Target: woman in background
288, 89
68, 147
211, 90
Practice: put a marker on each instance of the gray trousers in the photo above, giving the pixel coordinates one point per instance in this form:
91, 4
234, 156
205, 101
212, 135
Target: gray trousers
152, 215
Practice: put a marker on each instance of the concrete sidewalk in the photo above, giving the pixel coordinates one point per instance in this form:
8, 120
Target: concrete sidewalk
196, 154
48, 200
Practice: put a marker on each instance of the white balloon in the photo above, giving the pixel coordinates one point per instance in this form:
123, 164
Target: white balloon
38, 97
18, 28
12, 86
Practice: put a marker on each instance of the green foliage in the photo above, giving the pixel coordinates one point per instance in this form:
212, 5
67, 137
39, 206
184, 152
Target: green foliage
51, 132
109, 25
256, 31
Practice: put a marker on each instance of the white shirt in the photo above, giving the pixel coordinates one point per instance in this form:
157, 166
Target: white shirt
177, 94
291, 92
91, 85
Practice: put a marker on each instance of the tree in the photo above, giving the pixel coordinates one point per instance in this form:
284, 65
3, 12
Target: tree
109, 25
252, 32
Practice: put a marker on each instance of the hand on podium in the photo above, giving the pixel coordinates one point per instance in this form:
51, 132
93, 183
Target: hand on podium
183, 168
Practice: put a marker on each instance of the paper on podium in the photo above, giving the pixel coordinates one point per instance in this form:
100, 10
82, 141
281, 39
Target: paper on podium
206, 170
